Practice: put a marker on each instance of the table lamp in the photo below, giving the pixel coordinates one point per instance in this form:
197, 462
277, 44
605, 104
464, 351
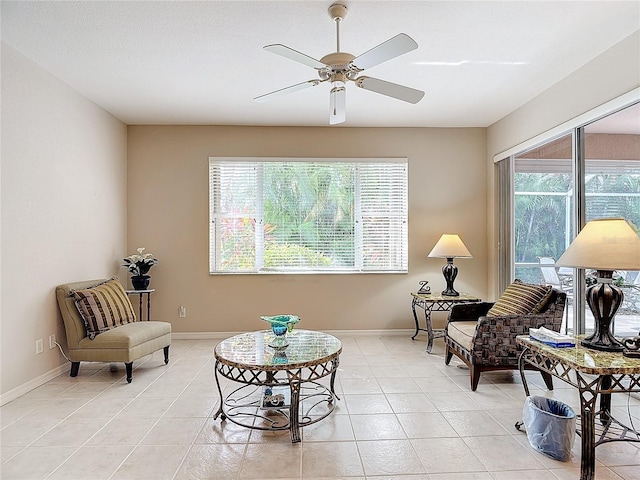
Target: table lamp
450, 246
604, 245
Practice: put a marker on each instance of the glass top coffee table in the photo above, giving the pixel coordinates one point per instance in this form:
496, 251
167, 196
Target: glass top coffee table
281, 388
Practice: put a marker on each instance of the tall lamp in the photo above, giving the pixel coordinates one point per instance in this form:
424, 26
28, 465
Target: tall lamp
604, 245
450, 246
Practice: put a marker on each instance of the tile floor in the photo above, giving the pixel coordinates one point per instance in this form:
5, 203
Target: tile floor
403, 414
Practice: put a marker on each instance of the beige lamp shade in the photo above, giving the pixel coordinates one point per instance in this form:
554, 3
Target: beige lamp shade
604, 244
450, 246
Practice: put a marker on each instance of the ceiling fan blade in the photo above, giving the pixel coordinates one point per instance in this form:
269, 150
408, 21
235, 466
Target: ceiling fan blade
294, 55
394, 47
287, 90
389, 89
337, 105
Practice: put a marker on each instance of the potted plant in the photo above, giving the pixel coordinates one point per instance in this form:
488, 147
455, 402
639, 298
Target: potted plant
139, 265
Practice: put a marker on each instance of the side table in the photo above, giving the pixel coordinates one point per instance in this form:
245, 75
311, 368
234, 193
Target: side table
140, 294
435, 302
596, 375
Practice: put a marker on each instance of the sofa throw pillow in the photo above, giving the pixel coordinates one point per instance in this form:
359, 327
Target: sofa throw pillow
103, 306
521, 299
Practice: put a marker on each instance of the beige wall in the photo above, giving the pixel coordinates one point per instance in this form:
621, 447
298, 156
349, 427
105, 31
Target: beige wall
168, 214
608, 76
63, 210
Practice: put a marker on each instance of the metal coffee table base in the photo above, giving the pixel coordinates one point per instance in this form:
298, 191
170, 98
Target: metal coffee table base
244, 407
309, 402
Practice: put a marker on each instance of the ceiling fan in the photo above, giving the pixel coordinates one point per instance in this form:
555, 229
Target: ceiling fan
338, 68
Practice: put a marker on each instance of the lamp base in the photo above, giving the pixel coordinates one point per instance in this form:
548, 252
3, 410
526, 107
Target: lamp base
604, 344
450, 272
450, 292
604, 299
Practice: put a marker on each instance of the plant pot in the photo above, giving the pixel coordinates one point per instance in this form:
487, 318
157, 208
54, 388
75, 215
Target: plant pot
140, 282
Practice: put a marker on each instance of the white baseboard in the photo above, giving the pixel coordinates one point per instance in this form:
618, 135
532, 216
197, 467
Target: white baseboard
379, 333
35, 383
42, 379
201, 335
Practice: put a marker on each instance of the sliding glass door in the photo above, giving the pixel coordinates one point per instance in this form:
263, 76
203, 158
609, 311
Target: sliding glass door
612, 189
543, 209
590, 172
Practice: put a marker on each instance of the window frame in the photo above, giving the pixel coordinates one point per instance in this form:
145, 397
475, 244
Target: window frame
400, 214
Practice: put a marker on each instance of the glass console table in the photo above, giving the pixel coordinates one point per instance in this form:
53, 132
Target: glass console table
280, 388
593, 373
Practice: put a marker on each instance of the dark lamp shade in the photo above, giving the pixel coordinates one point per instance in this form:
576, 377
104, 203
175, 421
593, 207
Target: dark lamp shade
604, 244
450, 246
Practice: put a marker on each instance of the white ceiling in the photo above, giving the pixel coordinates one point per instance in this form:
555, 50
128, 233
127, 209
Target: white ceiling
201, 62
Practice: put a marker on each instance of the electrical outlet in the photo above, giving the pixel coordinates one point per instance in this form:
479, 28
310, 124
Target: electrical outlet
182, 311
52, 341
39, 346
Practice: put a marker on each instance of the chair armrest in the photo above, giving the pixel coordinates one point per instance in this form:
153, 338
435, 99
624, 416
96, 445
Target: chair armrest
494, 342
469, 311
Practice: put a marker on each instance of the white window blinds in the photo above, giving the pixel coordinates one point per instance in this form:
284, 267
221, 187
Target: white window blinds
308, 216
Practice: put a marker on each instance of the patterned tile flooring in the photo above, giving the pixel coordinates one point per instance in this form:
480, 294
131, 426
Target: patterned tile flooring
403, 414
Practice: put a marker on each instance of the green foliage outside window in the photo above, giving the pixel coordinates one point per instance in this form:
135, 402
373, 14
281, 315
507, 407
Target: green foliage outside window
543, 212
312, 210
308, 216
289, 255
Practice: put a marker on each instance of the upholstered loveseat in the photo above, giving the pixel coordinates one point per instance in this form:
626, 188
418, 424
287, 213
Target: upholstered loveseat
483, 335
107, 330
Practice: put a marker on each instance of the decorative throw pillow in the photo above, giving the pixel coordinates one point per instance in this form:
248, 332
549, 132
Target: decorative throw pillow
521, 299
542, 305
103, 306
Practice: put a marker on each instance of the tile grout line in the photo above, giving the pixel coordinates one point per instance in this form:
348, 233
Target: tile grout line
495, 386
112, 418
124, 460
58, 423
195, 438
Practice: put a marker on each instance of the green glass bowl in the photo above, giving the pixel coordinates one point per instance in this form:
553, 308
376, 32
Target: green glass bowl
280, 325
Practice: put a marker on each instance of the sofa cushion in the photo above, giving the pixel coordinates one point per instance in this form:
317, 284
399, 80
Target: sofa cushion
127, 336
103, 307
521, 299
462, 332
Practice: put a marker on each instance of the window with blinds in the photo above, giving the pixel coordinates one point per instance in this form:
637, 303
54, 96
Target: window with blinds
308, 215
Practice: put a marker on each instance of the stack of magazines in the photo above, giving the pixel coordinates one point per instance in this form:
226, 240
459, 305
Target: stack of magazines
552, 338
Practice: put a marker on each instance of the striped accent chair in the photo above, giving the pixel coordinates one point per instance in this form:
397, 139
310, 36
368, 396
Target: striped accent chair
483, 335
101, 326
